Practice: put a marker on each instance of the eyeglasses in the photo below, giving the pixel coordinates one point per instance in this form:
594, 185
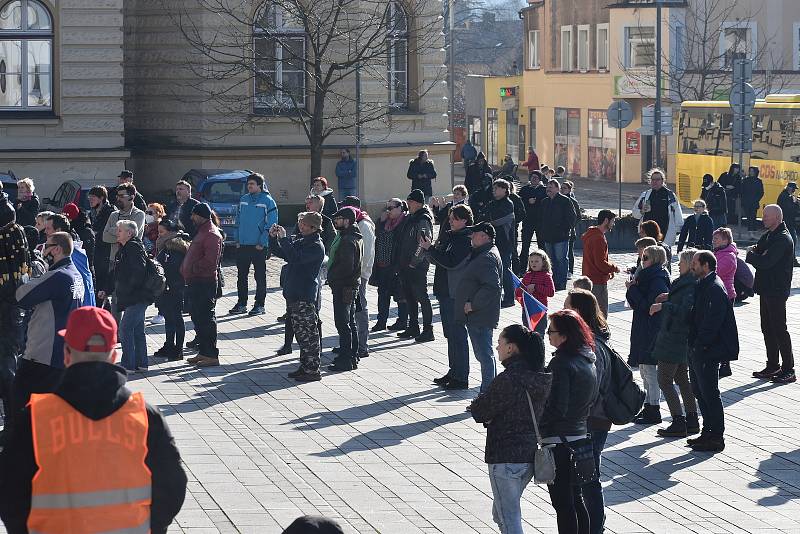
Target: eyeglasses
48, 245
550, 331
391, 207
150, 212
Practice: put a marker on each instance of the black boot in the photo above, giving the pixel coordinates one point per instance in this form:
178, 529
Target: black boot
725, 369
343, 362
676, 430
692, 423
411, 331
425, 336
397, 326
176, 355
650, 415
164, 351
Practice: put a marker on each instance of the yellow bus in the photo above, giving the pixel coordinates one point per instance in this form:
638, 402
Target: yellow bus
704, 144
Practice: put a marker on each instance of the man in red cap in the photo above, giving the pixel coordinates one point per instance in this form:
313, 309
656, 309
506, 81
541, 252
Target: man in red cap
91, 424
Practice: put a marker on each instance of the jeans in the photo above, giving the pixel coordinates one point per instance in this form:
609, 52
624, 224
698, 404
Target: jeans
481, 339
571, 252
362, 317
593, 491
508, 483
245, 256
558, 257
567, 500
202, 302
600, 291
719, 220
704, 375
171, 306
384, 300
415, 288
676, 373
650, 379
776, 335
344, 318
506, 257
131, 334
527, 237
457, 347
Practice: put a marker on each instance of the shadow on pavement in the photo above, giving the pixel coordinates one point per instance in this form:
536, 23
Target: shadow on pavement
774, 473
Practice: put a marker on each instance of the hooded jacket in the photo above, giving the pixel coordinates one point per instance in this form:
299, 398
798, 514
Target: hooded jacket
473, 179
481, 286
501, 216
304, 256
331, 206
97, 390
572, 394
257, 213
344, 266
672, 341
52, 297
752, 191
171, 257
407, 252
713, 335
726, 267
716, 199
504, 409
650, 283
595, 256
367, 228
773, 258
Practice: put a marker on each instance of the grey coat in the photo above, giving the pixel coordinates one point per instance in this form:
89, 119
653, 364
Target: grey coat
481, 286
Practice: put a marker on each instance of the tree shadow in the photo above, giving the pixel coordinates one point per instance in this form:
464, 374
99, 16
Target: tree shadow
776, 472
389, 436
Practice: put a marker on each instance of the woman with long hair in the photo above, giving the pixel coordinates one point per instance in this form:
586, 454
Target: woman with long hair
504, 410
384, 271
564, 422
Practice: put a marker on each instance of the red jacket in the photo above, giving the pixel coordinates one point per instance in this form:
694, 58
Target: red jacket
532, 163
595, 256
202, 258
543, 283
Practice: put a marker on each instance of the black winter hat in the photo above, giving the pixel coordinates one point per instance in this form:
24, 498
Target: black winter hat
7, 213
312, 524
203, 210
417, 196
484, 227
346, 213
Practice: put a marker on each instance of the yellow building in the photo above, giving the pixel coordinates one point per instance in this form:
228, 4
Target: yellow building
495, 125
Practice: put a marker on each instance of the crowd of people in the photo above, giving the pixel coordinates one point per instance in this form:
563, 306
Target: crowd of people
75, 282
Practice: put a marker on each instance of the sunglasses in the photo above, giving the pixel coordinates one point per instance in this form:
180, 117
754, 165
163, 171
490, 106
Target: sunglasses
49, 245
549, 331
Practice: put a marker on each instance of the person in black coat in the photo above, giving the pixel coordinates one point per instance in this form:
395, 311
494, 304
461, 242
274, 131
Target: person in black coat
697, 229
713, 339
519, 217
791, 209
473, 179
170, 303
421, 172
752, 191
479, 200
772, 258
500, 214
716, 200
95, 387
82, 227
180, 209
99, 214
27, 204
531, 195
731, 181
568, 190
556, 219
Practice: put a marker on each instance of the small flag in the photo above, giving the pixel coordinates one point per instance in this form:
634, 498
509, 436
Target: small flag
534, 310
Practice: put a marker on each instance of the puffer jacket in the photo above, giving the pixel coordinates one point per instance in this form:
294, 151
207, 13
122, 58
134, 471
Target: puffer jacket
672, 341
726, 267
130, 267
504, 409
171, 257
407, 252
572, 394
650, 283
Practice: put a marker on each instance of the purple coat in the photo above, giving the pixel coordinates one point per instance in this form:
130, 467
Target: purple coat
726, 268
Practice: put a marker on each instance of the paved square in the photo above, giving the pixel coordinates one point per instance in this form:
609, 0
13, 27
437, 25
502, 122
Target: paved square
381, 449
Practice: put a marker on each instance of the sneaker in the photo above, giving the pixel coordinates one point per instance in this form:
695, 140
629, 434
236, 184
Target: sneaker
308, 377
784, 377
194, 359
206, 361
396, 327
442, 381
455, 385
157, 319
176, 355
676, 430
766, 372
257, 310
408, 333
378, 327
425, 336
238, 309
284, 350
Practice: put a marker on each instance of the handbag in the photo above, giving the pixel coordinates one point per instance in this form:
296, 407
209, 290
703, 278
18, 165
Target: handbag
584, 469
544, 465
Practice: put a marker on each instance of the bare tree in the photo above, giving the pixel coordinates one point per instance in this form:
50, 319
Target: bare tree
706, 37
298, 59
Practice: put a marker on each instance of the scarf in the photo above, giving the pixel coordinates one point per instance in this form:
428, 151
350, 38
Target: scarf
391, 224
334, 246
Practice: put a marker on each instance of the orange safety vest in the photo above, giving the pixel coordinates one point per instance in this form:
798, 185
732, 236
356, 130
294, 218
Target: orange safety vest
92, 475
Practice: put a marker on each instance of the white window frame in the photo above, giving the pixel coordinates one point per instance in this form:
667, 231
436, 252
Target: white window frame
629, 50
282, 34
25, 36
752, 46
398, 39
533, 50
568, 30
796, 46
602, 27
584, 48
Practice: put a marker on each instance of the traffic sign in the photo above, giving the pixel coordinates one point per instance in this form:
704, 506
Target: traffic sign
649, 119
743, 98
619, 114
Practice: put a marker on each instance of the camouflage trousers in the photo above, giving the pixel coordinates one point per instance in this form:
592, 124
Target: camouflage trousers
304, 322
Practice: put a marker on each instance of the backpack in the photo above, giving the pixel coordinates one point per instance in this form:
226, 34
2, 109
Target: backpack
154, 280
624, 398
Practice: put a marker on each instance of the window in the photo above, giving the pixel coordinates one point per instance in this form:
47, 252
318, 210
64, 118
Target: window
568, 140
602, 47
397, 55
26, 53
602, 147
491, 136
583, 48
736, 41
512, 126
640, 49
280, 55
796, 46
475, 132
532, 127
566, 48
533, 49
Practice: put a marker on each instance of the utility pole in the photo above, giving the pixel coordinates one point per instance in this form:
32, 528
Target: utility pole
657, 110
451, 83
358, 129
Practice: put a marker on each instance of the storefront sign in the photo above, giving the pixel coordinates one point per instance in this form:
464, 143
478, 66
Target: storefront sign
642, 86
632, 143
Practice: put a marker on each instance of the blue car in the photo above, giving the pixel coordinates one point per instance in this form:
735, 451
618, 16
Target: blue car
223, 192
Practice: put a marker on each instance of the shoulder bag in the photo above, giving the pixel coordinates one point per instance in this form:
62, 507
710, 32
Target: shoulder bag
544, 465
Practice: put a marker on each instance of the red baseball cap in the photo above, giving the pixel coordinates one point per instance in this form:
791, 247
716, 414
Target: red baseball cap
71, 210
86, 322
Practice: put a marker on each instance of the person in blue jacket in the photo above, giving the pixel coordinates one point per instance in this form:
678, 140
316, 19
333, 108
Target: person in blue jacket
257, 213
59, 223
347, 174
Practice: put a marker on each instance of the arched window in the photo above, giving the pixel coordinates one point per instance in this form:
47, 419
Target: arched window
26, 54
397, 55
279, 44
